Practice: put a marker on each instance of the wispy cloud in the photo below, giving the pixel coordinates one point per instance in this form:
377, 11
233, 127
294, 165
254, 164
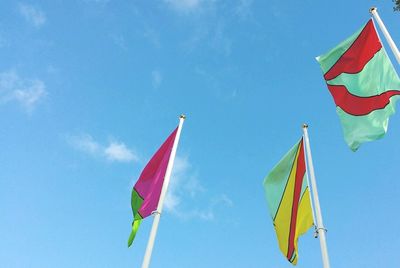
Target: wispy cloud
210, 32
190, 7
33, 15
183, 182
234, 93
156, 78
184, 5
114, 151
119, 40
186, 191
85, 143
102, 2
243, 9
152, 36
220, 42
213, 81
27, 92
117, 151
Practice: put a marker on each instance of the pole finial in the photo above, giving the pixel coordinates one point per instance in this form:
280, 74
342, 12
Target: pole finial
305, 125
372, 9
182, 116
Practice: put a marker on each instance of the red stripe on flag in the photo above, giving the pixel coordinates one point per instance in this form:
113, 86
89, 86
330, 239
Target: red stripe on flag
356, 105
358, 54
300, 170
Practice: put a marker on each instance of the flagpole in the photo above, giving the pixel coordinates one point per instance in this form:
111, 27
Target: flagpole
320, 229
374, 12
157, 213
309, 192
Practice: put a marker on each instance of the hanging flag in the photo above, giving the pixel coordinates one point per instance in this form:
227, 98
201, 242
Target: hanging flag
363, 84
288, 198
147, 190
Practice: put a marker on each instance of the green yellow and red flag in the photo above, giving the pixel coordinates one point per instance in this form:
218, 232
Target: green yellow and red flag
364, 85
288, 199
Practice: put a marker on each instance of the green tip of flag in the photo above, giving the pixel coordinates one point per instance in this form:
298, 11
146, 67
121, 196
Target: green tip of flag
135, 227
130, 239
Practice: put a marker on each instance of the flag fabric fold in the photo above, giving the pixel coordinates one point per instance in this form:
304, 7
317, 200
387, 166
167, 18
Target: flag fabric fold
147, 190
363, 84
288, 199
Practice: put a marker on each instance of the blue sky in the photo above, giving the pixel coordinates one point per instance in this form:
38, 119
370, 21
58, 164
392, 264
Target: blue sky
89, 89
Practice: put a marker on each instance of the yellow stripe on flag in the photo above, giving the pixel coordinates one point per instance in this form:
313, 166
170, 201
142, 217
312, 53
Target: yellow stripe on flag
294, 215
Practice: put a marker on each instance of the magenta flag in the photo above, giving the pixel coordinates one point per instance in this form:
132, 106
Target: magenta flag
147, 190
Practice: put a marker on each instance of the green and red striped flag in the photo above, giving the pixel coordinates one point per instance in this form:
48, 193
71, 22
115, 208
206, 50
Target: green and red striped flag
147, 190
363, 84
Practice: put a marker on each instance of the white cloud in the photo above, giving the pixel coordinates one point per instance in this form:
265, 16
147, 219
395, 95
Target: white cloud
185, 192
156, 79
32, 14
183, 181
187, 7
27, 92
114, 151
171, 201
85, 143
184, 5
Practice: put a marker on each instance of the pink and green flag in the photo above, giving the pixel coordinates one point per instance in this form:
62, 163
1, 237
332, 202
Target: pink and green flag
364, 85
147, 190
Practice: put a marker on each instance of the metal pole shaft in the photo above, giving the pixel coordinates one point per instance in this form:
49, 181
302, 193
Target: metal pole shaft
309, 189
374, 12
152, 237
157, 214
321, 231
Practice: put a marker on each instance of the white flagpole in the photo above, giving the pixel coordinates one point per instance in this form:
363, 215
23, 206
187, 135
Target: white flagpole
320, 229
309, 192
157, 213
374, 12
